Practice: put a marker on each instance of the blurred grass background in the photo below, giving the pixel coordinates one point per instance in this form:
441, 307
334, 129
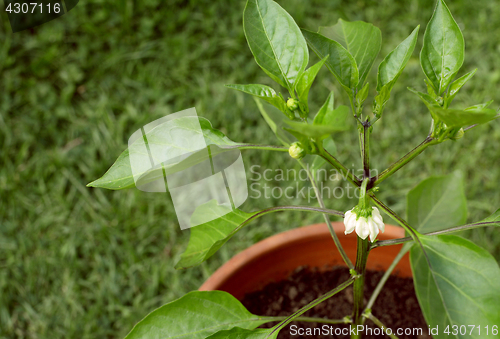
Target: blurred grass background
77, 262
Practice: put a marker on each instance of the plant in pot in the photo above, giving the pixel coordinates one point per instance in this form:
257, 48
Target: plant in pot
456, 281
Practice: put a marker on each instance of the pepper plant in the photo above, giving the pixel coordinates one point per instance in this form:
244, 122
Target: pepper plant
457, 282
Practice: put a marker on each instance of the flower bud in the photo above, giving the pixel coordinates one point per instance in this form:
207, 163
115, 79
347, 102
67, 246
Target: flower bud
292, 104
296, 151
459, 135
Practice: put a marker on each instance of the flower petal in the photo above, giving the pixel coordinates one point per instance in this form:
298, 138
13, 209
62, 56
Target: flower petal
362, 228
348, 230
349, 222
372, 226
378, 219
376, 215
381, 226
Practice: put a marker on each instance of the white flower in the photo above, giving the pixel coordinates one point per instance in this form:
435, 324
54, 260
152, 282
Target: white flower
364, 226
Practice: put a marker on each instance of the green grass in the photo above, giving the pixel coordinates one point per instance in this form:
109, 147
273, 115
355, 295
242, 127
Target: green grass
77, 262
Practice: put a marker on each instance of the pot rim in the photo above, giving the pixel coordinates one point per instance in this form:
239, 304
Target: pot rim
277, 241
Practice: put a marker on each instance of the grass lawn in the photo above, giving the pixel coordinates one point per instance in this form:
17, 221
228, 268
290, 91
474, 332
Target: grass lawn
77, 262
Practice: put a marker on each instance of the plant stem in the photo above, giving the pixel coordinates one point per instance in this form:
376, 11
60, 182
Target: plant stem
312, 320
299, 208
313, 303
286, 208
346, 173
379, 324
252, 146
446, 231
403, 161
375, 119
355, 112
359, 284
390, 242
386, 275
365, 149
361, 146
414, 234
336, 240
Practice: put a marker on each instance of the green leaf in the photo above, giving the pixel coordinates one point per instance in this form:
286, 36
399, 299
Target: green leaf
120, 176
305, 141
306, 80
208, 238
340, 62
362, 40
494, 217
263, 92
311, 131
275, 41
362, 95
240, 333
196, 315
457, 85
276, 120
393, 65
437, 203
459, 118
336, 118
459, 287
480, 106
430, 90
335, 122
443, 51
325, 110
395, 62
427, 100
339, 118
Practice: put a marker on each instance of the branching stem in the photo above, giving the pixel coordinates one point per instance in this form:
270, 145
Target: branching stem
403, 161
442, 232
365, 149
252, 146
414, 234
346, 173
312, 320
377, 322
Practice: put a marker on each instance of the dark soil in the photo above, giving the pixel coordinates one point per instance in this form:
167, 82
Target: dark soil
397, 306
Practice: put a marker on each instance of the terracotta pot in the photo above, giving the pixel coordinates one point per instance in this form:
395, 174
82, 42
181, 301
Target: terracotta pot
275, 258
